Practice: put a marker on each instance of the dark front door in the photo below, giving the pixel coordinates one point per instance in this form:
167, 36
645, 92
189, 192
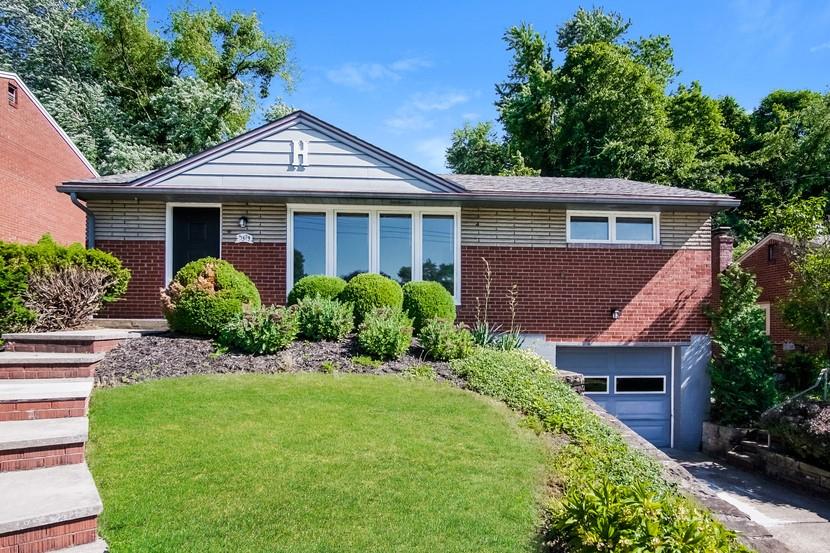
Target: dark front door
195, 234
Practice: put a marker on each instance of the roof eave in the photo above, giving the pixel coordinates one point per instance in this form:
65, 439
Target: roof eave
88, 191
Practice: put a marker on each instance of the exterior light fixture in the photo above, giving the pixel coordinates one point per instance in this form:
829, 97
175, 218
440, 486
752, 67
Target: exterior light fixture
615, 313
243, 222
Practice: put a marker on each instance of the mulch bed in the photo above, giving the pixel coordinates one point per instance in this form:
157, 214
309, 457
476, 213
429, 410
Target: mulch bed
169, 355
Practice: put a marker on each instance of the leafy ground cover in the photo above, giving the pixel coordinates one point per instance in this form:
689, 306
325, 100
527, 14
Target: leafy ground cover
311, 462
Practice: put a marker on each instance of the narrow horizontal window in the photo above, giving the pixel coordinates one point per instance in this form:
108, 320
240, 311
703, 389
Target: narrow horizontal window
640, 384
596, 384
613, 227
589, 228
635, 229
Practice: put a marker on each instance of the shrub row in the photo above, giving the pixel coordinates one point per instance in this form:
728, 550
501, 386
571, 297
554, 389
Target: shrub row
209, 297
80, 279
615, 497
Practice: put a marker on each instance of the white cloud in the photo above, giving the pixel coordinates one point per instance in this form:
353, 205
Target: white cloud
437, 101
471, 116
408, 122
365, 76
433, 151
820, 47
412, 114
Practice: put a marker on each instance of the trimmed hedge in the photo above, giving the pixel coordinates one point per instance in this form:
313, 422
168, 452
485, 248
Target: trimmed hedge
426, 300
19, 261
261, 331
386, 333
615, 497
316, 285
324, 319
205, 295
367, 291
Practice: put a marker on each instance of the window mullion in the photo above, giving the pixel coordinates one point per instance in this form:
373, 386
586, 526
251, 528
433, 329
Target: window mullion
417, 246
331, 242
374, 242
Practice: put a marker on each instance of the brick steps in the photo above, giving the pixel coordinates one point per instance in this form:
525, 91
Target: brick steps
55, 508
69, 341
22, 365
48, 499
26, 445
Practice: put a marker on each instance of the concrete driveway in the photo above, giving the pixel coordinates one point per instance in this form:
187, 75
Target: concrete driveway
794, 517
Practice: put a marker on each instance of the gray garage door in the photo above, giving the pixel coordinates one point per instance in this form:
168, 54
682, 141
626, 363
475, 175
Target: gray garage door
631, 383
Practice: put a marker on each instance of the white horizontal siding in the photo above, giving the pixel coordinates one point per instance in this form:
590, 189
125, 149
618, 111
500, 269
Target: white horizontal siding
128, 219
686, 229
332, 165
266, 222
513, 227
546, 228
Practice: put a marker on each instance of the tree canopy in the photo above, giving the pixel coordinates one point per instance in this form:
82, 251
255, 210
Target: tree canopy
611, 108
134, 97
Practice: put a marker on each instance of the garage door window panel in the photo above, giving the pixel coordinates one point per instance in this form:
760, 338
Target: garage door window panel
640, 385
596, 384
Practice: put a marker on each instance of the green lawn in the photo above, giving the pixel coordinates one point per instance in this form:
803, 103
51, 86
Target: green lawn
312, 463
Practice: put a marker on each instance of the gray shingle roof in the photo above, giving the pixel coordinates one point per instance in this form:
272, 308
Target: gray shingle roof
573, 186
119, 178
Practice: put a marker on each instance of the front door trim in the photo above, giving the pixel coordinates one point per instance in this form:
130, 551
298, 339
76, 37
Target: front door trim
168, 234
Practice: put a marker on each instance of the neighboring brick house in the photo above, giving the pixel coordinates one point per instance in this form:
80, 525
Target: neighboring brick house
770, 261
36, 155
613, 275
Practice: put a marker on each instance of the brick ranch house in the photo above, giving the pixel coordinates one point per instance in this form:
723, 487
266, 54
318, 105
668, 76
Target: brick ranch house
613, 275
35, 156
770, 261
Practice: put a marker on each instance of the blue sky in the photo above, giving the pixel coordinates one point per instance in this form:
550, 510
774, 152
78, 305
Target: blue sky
403, 75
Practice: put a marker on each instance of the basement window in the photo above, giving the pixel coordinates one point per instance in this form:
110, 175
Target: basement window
11, 93
613, 227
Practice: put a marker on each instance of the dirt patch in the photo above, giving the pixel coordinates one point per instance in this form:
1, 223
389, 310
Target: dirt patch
169, 355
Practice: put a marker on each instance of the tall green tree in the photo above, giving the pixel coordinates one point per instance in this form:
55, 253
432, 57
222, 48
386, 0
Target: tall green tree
135, 98
475, 149
742, 369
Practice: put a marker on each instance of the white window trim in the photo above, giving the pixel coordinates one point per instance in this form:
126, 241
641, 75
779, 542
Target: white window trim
767, 307
660, 376
612, 226
168, 234
374, 212
607, 385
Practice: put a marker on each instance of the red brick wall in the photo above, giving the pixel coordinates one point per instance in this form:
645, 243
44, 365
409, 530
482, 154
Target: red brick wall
34, 158
772, 276
264, 263
568, 293
145, 260
565, 293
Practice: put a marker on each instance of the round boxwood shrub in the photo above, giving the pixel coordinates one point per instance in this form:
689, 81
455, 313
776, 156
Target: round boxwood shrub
205, 295
328, 287
369, 290
425, 300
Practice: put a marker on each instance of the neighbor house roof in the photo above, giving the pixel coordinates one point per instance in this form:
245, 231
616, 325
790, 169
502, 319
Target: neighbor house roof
778, 237
20, 84
466, 188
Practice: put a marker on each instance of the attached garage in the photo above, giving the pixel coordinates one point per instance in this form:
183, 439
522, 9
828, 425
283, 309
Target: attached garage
632, 383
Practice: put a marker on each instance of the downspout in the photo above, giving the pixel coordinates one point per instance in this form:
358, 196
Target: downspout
90, 220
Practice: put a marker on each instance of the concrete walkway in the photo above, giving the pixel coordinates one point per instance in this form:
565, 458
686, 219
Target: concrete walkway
794, 517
